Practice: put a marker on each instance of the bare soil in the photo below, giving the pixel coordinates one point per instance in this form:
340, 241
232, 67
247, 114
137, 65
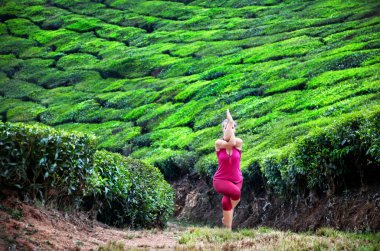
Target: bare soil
27, 227
24, 226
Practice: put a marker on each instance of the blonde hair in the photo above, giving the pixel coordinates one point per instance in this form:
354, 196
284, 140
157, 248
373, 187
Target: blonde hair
224, 123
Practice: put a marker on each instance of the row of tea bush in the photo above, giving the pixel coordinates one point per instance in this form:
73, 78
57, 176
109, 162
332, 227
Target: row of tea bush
65, 169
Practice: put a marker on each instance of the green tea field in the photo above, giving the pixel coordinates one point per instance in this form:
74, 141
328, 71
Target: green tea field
152, 81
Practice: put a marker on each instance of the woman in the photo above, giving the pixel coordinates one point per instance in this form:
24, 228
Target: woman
228, 179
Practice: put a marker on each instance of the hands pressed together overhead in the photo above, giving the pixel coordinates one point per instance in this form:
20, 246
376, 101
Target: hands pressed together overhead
229, 117
229, 140
229, 134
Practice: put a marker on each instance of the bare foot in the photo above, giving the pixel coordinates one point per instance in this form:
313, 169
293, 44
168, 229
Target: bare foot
227, 218
223, 217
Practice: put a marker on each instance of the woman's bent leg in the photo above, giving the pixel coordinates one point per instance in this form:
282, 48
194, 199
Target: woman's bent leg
236, 200
226, 203
229, 189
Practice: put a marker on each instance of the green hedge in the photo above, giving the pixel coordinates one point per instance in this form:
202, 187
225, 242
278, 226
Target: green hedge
131, 192
177, 165
44, 162
64, 167
344, 154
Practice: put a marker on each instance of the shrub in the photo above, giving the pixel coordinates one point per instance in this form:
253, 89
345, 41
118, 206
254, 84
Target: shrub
213, 74
44, 162
128, 99
19, 89
9, 64
254, 178
136, 192
83, 24
169, 10
115, 32
14, 45
139, 111
177, 165
155, 116
345, 153
64, 167
111, 135
161, 157
24, 111
176, 138
345, 149
191, 90
335, 62
77, 61
292, 47
185, 115
21, 26
271, 168
141, 140
207, 165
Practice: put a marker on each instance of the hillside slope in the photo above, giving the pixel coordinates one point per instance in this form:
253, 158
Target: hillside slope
153, 79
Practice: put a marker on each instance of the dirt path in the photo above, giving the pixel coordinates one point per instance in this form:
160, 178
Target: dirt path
25, 227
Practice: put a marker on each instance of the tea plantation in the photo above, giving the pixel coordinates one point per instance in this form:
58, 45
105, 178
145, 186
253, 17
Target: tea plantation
153, 79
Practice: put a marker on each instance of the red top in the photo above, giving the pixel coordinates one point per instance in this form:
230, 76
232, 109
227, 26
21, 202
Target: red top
229, 166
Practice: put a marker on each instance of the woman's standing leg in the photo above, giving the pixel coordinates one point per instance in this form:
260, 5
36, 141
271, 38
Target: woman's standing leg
235, 202
227, 211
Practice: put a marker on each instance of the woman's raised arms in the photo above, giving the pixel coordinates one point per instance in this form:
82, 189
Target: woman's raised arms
222, 144
228, 134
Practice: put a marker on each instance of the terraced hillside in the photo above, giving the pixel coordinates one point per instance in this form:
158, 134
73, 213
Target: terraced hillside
152, 79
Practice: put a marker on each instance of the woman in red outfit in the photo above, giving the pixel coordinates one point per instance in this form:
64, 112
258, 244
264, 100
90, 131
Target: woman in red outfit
228, 179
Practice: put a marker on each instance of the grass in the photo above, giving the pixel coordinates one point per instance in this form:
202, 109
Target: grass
263, 238
196, 237
112, 245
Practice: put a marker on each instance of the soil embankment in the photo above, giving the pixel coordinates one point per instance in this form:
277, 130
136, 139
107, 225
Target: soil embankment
353, 210
24, 226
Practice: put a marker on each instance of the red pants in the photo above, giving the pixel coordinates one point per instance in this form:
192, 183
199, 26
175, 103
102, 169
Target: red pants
229, 190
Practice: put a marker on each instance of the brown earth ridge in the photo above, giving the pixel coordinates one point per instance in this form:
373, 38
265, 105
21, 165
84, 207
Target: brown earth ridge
24, 226
357, 209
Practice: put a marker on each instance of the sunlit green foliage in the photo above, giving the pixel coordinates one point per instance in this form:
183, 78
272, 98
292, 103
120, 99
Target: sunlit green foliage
112, 135
132, 192
64, 167
39, 159
153, 79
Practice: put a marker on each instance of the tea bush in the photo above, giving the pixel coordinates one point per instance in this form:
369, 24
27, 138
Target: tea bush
132, 193
64, 167
345, 153
137, 73
177, 165
44, 162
